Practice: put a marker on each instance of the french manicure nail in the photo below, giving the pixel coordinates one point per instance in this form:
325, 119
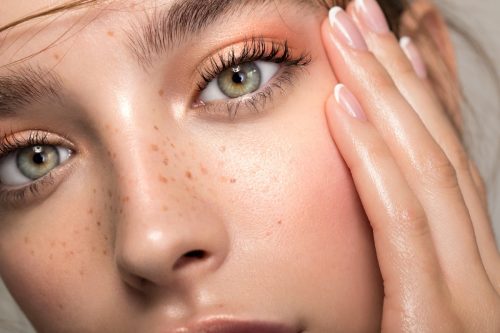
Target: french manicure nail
372, 15
414, 56
348, 102
345, 29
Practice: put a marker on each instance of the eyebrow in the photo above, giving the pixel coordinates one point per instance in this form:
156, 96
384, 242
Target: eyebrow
167, 27
163, 29
27, 85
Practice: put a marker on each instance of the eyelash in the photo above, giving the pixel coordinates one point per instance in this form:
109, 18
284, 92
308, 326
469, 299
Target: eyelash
254, 49
11, 143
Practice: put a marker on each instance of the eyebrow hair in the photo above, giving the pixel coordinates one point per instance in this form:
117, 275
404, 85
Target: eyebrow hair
168, 27
162, 30
27, 85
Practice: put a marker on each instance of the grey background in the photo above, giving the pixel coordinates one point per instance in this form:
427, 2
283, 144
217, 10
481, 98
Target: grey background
479, 18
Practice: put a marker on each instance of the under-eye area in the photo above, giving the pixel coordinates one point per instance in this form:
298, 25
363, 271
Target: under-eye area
241, 79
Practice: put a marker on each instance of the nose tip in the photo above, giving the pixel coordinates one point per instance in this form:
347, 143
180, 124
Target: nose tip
161, 253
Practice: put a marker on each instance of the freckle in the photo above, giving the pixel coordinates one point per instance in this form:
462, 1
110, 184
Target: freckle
156, 128
56, 56
87, 229
93, 249
107, 126
189, 175
126, 199
90, 211
52, 243
111, 33
161, 92
81, 272
163, 179
172, 145
203, 169
114, 156
223, 179
32, 252
183, 153
71, 253
268, 233
280, 222
98, 223
110, 194
165, 161
164, 208
106, 237
51, 256
94, 190
172, 179
26, 240
154, 147
60, 306
222, 149
104, 252
232, 180
121, 211
63, 244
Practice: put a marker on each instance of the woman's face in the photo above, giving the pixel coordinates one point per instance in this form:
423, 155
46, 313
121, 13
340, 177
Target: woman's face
146, 200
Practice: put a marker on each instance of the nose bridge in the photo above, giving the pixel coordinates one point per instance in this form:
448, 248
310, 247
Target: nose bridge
164, 229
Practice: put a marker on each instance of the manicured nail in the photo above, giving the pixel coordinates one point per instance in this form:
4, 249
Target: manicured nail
372, 15
349, 102
345, 29
411, 51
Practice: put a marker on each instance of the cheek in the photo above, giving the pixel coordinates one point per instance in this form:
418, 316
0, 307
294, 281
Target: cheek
59, 250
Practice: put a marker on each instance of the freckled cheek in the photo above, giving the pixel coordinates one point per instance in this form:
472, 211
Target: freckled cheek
58, 250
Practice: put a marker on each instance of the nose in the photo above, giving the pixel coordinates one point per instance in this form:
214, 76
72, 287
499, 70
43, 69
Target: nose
160, 242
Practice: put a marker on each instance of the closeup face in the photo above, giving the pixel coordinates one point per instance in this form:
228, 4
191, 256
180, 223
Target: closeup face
147, 188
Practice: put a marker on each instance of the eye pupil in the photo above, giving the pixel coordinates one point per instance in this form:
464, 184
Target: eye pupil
239, 77
38, 158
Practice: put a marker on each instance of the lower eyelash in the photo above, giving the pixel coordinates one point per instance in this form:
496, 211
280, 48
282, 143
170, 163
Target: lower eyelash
17, 197
257, 100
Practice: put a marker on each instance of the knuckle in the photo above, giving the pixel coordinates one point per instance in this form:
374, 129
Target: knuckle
411, 220
459, 159
436, 170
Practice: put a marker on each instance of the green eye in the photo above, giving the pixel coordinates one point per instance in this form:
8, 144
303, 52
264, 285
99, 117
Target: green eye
35, 162
240, 80
29, 163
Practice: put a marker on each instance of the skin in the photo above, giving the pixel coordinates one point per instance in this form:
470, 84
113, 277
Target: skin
268, 197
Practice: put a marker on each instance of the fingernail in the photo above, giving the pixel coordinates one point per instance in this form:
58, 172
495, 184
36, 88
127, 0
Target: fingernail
372, 15
345, 29
348, 102
411, 51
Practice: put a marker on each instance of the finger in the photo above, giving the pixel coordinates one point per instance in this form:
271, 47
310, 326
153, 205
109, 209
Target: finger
423, 163
406, 68
403, 242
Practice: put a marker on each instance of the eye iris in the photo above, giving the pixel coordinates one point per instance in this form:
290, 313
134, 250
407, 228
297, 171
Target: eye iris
35, 162
240, 80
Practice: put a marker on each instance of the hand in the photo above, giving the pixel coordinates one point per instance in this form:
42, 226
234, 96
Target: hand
433, 238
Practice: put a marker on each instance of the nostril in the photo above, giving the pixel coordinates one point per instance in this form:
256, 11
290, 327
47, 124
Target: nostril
189, 257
